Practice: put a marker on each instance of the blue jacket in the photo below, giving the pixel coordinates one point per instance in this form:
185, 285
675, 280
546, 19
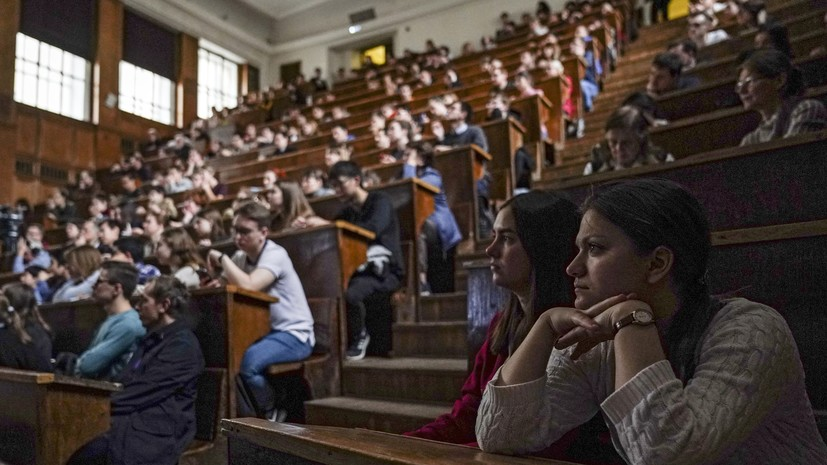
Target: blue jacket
153, 417
442, 217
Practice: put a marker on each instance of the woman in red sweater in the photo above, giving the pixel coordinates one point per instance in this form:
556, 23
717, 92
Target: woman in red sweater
533, 242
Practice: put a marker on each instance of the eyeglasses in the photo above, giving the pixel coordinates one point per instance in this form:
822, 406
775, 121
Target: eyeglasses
740, 85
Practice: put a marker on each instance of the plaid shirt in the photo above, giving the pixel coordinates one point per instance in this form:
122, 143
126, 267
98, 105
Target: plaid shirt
807, 116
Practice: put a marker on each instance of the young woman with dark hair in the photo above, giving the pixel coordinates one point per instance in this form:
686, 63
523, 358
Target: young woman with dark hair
679, 376
769, 84
24, 335
178, 251
533, 241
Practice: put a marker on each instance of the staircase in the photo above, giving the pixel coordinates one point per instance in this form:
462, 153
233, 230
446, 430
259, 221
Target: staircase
430, 356
418, 384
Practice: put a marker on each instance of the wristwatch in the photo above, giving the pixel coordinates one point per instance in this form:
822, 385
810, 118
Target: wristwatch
638, 317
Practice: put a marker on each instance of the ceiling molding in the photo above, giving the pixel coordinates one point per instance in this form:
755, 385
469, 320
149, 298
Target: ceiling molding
379, 26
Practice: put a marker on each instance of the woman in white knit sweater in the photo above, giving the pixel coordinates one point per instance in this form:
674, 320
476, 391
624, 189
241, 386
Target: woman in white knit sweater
681, 378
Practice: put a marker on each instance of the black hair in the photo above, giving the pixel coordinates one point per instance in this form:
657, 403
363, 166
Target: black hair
344, 168
131, 245
654, 213
771, 63
425, 150
169, 287
779, 37
670, 62
547, 223
256, 212
112, 223
468, 110
124, 274
34, 270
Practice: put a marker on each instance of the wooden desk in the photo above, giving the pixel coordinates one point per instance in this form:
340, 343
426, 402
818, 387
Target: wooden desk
413, 201
45, 418
504, 138
252, 441
227, 320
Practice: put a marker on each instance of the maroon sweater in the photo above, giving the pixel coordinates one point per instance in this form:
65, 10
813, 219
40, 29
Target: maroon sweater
581, 444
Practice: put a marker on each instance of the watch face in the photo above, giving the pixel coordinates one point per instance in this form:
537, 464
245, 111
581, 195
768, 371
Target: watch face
643, 317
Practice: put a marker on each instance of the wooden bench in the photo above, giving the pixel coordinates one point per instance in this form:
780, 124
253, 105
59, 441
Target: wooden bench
259, 442
320, 373
210, 408
226, 321
45, 418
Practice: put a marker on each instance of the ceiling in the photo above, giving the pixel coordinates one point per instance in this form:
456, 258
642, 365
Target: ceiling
280, 9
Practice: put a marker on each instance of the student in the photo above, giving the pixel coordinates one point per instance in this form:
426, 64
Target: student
626, 144
262, 265
382, 272
665, 75
130, 249
440, 233
533, 242
153, 416
208, 227
36, 278
290, 208
83, 266
769, 84
25, 343
30, 250
178, 251
115, 339
314, 184
723, 394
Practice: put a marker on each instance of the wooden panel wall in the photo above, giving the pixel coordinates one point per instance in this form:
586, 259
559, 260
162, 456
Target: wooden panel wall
45, 138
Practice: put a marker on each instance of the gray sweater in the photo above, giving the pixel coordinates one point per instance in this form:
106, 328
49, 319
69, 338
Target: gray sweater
746, 403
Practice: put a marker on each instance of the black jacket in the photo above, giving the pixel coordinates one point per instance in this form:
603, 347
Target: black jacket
378, 216
153, 417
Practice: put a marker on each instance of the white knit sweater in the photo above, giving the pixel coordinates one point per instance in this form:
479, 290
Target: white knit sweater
746, 403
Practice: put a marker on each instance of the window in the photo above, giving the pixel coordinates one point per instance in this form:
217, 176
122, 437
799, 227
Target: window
145, 93
217, 82
52, 79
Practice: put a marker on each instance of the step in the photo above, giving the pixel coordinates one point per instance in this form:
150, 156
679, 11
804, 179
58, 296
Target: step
434, 339
379, 415
405, 378
443, 307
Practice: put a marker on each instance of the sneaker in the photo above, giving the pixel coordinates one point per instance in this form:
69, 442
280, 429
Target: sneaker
424, 289
357, 349
278, 415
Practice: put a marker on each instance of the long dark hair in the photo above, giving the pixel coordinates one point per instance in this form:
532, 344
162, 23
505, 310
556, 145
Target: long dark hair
18, 309
547, 224
653, 213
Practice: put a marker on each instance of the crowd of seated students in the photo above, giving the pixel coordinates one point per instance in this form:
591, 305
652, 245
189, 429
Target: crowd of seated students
768, 83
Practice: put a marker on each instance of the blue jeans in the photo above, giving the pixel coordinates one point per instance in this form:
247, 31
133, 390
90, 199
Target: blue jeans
589, 91
275, 347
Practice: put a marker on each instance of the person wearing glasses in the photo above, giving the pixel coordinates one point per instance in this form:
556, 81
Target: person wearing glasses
153, 416
262, 265
116, 338
769, 84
